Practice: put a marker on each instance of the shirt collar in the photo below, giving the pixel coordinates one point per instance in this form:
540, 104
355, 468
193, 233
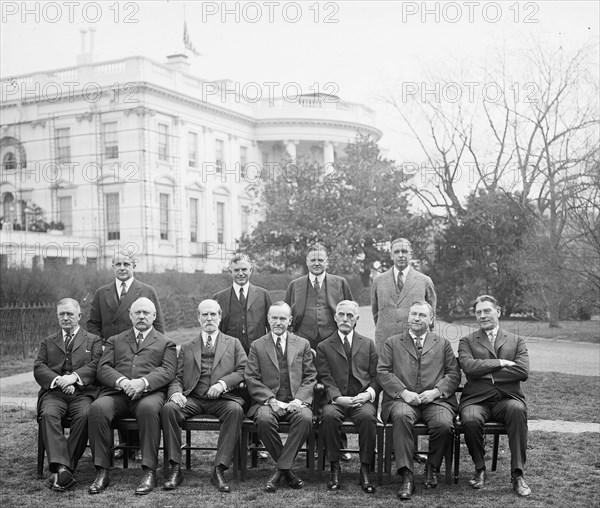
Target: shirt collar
417, 337
205, 336
127, 282
236, 288
320, 278
74, 332
350, 336
283, 338
144, 334
403, 272
494, 331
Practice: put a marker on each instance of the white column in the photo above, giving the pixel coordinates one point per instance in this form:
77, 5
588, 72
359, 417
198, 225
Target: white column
328, 157
290, 146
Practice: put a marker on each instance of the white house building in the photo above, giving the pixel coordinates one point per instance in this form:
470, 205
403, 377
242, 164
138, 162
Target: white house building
140, 154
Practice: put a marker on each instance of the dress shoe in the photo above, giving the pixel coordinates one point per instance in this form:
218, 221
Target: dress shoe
118, 453
262, 455
364, 480
175, 478
407, 489
135, 455
520, 487
218, 479
334, 479
431, 479
345, 457
51, 480
273, 481
65, 478
478, 480
100, 482
293, 481
148, 482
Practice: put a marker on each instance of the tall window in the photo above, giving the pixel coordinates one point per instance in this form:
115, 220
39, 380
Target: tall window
163, 141
245, 212
62, 139
164, 216
65, 213
243, 160
192, 150
219, 153
220, 222
110, 140
9, 162
113, 227
193, 220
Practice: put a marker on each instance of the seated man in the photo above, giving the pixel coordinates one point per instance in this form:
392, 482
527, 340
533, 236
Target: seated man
135, 370
495, 362
281, 377
65, 368
347, 366
419, 375
208, 368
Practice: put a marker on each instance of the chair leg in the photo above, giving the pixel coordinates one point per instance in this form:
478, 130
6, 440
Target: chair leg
188, 451
448, 463
456, 456
244, 454
41, 452
388, 453
380, 454
236, 460
311, 453
495, 452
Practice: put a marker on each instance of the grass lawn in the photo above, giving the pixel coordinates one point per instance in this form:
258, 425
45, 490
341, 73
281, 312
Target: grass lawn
563, 470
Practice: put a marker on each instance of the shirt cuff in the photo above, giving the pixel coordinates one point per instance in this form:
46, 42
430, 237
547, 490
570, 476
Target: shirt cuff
146, 383
53, 384
371, 392
223, 384
79, 381
118, 381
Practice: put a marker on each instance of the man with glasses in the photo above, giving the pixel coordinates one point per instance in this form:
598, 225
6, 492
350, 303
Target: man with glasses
495, 362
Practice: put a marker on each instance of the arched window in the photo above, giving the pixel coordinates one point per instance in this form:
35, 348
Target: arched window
9, 210
9, 162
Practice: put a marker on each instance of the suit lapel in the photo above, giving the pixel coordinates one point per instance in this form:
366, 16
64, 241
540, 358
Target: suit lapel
390, 283
290, 352
483, 340
301, 290
149, 340
197, 350
59, 341
220, 348
500, 339
407, 343
78, 340
430, 341
111, 297
332, 289
338, 347
252, 292
270, 347
130, 339
408, 284
130, 297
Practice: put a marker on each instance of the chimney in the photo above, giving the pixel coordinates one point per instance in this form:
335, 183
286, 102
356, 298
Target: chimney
86, 57
178, 62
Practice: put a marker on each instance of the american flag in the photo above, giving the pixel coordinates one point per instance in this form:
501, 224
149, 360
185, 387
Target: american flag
187, 41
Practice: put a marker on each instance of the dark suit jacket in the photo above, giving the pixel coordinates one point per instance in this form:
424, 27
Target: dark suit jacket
332, 366
337, 290
262, 370
398, 366
156, 360
481, 365
87, 350
110, 317
228, 365
258, 302
390, 309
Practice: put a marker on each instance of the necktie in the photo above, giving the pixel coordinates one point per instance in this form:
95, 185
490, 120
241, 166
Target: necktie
279, 347
419, 345
242, 298
317, 285
123, 290
399, 283
491, 338
68, 341
209, 342
347, 348
140, 338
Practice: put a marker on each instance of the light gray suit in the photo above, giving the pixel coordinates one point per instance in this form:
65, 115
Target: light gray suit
390, 308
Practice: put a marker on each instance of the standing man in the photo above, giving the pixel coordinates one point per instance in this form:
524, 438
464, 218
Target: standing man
394, 291
281, 377
109, 313
135, 370
347, 366
495, 362
419, 375
65, 369
314, 297
244, 305
209, 369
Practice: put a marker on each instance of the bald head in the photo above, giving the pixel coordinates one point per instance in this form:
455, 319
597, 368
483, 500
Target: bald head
142, 314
